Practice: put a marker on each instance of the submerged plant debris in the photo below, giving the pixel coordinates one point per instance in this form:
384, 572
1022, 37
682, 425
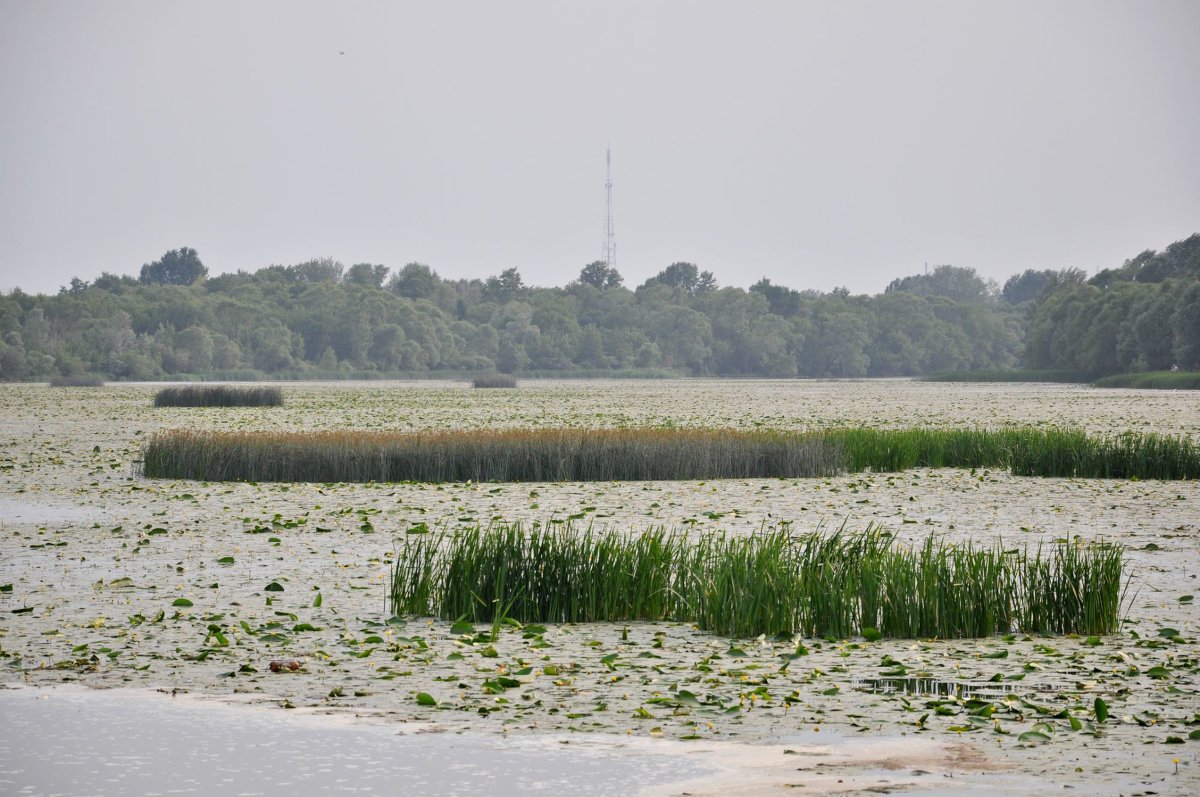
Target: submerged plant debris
111, 580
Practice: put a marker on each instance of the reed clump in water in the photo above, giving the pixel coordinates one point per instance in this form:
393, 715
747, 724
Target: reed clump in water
540, 455
816, 584
218, 396
639, 454
494, 380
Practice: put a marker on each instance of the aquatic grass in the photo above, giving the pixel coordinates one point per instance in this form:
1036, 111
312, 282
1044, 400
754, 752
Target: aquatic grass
818, 584
218, 396
640, 454
494, 381
1069, 586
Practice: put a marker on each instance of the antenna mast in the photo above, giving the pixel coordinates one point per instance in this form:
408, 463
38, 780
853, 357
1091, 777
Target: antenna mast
609, 253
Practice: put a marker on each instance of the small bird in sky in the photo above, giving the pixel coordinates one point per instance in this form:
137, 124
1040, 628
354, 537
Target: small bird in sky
341, 52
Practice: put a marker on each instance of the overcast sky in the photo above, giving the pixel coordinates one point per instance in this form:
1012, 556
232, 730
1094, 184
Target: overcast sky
817, 144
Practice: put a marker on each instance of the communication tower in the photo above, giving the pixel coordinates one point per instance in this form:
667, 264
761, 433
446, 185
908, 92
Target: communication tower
609, 253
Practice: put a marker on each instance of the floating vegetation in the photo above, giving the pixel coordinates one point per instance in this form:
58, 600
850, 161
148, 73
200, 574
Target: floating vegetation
640, 454
77, 380
494, 380
218, 396
818, 584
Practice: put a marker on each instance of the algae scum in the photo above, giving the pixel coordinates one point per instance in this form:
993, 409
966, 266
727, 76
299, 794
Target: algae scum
109, 579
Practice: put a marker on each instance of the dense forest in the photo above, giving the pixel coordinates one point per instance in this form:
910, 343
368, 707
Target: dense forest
320, 319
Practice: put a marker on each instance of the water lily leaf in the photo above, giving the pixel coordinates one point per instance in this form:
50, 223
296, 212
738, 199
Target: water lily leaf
1033, 737
274, 586
1101, 710
181, 602
425, 699
317, 601
225, 560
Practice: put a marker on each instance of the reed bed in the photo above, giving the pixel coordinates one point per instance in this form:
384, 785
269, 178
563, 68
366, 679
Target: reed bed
77, 380
1049, 375
817, 584
640, 454
1154, 380
495, 456
494, 380
218, 396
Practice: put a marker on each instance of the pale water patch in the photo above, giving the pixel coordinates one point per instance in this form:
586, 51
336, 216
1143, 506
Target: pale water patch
18, 510
75, 741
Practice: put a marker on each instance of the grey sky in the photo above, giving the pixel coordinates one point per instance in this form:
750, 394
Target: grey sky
817, 144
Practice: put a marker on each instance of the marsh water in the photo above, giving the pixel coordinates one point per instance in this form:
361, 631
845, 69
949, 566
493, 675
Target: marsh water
119, 587
77, 741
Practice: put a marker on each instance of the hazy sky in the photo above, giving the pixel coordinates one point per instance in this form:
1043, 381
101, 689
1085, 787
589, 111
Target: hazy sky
817, 144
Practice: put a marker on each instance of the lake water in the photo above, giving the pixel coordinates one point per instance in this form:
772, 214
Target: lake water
76, 741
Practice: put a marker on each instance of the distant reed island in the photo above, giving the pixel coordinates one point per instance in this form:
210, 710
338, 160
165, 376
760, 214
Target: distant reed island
641, 454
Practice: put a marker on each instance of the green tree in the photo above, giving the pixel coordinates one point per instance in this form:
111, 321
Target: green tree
505, 287
317, 270
600, 275
686, 279
415, 281
1185, 321
176, 267
1025, 287
366, 275
954, 282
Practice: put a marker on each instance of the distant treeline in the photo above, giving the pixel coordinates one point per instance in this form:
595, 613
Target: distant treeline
321, 319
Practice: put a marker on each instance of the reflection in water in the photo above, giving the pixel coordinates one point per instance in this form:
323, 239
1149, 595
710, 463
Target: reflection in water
937, 688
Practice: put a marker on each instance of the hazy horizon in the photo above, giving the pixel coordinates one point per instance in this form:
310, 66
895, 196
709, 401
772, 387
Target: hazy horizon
815, 144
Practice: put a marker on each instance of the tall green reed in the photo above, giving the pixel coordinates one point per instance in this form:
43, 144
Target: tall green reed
819, 584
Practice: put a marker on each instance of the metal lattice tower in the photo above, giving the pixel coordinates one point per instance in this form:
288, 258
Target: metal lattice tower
609, 253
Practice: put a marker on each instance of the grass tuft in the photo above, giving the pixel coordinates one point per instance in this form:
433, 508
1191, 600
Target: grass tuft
218, 396
817, 584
